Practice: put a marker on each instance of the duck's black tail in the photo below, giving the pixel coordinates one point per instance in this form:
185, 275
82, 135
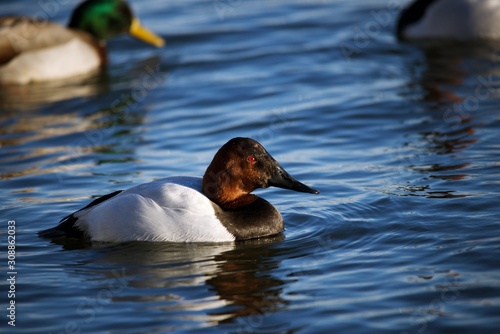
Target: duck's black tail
67, 228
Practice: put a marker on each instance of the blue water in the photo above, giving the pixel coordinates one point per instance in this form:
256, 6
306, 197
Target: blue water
401, 140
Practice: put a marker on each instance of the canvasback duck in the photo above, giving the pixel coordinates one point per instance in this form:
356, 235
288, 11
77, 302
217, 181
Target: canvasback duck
450, 19
216, 208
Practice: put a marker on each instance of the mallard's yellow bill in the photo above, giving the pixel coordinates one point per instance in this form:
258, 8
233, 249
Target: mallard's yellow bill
144, 34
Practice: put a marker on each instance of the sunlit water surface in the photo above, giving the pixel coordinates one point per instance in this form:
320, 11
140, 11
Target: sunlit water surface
401, 140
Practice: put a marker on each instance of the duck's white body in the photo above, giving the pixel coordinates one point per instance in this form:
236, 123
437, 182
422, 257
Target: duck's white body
170, 209
37, 66
48, 52
456, 19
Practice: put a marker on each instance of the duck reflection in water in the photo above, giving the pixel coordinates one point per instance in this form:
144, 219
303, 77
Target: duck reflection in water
246, 282
439, 148
210, 284
144, 75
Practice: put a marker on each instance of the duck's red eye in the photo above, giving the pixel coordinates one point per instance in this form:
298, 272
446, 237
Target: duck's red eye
251, 158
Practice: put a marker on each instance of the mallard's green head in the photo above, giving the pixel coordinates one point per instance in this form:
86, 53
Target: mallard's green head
105, 19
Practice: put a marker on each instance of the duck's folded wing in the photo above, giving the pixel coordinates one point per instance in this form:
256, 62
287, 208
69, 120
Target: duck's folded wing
20, 34
67, 226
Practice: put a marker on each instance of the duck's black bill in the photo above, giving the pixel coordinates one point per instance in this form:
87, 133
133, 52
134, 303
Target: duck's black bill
282, 179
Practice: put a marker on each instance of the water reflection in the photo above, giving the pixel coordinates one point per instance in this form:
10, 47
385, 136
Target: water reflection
173, 278
439, 146
37, 143
245, 283
62, 137
36, 95
29, 136
15, 98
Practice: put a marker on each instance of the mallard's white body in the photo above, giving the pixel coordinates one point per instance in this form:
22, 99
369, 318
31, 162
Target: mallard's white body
42, 52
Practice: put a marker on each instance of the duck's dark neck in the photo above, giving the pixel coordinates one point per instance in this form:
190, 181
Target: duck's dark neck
239, 203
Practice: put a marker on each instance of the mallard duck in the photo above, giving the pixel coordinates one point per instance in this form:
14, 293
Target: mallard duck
32, 51
450, 19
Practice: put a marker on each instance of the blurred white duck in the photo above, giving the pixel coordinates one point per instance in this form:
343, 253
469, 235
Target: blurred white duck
450, 19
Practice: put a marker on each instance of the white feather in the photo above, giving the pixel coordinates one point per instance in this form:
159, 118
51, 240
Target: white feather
69, 59
170, 209
458, 19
